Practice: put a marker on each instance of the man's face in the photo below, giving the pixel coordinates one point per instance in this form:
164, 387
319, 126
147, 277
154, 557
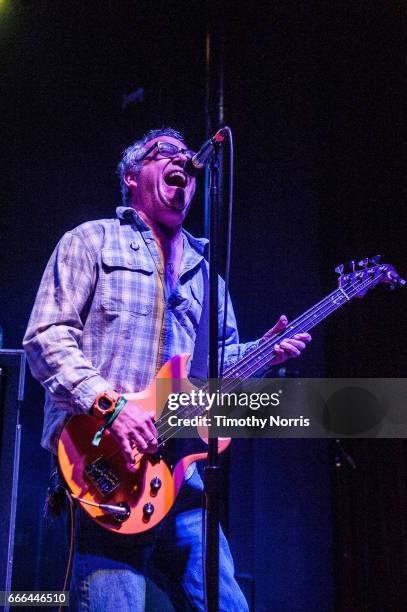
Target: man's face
162, 190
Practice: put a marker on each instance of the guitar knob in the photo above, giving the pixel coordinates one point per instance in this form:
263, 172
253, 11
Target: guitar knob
148, 510
155, 485
375, 259
339, 269
363, 263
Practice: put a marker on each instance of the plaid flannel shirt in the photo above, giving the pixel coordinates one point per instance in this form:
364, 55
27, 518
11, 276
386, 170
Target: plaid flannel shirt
101, 318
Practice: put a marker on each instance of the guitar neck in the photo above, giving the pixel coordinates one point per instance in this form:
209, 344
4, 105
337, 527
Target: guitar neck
259, 358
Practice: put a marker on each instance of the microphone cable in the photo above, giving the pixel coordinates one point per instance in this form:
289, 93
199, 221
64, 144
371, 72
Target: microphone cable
228, 249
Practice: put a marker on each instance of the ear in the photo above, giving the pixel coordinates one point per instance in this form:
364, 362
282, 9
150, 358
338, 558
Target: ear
129, 180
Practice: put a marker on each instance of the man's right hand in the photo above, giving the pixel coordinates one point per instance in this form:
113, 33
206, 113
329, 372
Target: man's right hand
134, 428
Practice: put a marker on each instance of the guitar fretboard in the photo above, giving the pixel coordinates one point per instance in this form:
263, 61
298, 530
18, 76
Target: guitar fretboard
258, 359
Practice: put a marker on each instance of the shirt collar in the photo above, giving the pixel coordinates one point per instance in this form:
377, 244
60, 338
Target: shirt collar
130, 214
127, 213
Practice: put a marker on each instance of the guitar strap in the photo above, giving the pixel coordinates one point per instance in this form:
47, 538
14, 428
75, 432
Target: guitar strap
199, 365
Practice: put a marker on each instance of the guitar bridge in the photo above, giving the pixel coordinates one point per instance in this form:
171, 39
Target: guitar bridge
102, 477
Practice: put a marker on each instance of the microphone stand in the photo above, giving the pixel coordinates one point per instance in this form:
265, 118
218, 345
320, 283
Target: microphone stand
212, 471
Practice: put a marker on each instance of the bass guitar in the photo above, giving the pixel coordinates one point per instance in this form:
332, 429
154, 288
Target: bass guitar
130, 502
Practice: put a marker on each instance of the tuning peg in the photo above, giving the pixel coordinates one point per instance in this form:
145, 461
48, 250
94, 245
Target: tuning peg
395, 279
375, 259
363, 263
352, 265
339, 269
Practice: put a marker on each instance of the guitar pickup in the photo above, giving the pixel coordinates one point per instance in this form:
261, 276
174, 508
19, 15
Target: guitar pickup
102, 477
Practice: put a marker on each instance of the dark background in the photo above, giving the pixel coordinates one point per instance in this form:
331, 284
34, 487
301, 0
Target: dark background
315, 95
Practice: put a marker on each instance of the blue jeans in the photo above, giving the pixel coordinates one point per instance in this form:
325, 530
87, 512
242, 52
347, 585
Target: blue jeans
110, 570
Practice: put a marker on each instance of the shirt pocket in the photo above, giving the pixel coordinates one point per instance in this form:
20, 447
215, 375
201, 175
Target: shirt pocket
128, 283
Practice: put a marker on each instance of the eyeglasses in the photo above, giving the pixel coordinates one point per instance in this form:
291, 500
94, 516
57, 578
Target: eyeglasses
167, 149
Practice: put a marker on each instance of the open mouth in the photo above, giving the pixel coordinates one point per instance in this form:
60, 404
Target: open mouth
176, 178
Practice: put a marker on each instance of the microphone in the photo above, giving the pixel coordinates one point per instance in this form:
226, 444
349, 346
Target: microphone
194, 165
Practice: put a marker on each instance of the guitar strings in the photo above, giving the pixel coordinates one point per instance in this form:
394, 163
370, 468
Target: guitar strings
250, 362
265, 350
262, 351
264, 347
228, 385
330, 301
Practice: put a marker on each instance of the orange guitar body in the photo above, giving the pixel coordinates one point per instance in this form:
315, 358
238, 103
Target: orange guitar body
100, 475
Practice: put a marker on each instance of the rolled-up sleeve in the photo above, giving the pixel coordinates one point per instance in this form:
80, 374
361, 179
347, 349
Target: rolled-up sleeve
53, 338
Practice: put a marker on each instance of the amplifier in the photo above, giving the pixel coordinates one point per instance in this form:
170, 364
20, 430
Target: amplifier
12, 377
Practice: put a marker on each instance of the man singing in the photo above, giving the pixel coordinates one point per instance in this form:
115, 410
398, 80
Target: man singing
119, 297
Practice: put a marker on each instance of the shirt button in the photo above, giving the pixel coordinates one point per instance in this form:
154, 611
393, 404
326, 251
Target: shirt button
135, 246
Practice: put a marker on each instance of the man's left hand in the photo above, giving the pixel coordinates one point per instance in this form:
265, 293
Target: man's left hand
288, 348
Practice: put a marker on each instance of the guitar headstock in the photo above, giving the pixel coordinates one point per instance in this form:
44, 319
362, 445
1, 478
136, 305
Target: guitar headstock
366, 274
